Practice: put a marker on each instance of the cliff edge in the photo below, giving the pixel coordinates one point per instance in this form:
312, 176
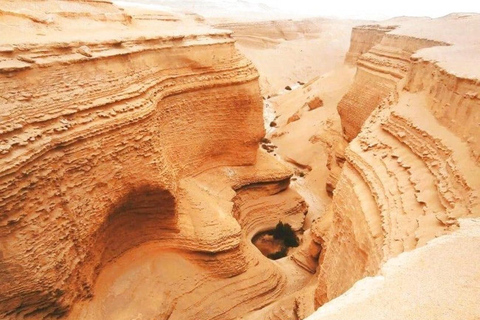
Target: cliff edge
109, 121
412, 166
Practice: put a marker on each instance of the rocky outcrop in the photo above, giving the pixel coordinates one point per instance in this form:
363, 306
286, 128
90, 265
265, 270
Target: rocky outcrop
453, 98
210, 269
108, 122
410, 172
363, 38
383, 61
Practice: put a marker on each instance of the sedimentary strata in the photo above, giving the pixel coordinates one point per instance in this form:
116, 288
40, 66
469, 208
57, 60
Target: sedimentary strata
109, 122
410, 172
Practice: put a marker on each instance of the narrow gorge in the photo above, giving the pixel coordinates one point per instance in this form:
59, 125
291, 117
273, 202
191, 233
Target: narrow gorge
142, 153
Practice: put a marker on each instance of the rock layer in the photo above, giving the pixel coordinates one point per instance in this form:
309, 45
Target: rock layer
363, 38
104, 118
164, 280
383, 61
410, 173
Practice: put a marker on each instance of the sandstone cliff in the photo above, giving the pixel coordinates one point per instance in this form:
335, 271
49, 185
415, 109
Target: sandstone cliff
131, 182
114, 131
412, 169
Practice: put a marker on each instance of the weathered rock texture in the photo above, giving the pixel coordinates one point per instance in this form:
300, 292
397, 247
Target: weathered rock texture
383, 60
363, 38
412, 170
109, 123
436, 281
223, 276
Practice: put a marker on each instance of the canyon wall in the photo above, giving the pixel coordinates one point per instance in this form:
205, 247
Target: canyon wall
412, 166
106, 117
131, 182
363, 38
383, 61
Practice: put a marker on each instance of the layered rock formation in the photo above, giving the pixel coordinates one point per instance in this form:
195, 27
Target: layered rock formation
222, 276
363, 38
131, 183
383, 60
112, 127
411, 170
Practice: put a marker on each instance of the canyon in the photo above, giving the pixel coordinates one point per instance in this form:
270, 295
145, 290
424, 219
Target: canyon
141, 152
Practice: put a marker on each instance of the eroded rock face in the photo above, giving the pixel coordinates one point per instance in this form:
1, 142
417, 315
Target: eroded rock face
410, 173
382, 61
219, 276
363, 38
104, 115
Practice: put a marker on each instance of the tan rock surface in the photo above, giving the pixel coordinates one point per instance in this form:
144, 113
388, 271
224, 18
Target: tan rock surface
115, 132
437, 281
132, 183
384, 54
159, 280
410, 173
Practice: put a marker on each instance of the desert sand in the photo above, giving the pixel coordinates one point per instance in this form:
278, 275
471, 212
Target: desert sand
286, 52
142, 150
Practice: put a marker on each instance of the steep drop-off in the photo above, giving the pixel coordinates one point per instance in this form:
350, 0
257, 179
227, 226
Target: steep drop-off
114, 131
383, 61
412, 169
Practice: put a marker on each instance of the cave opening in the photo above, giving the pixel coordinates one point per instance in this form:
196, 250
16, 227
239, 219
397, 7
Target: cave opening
276, 243
145, 213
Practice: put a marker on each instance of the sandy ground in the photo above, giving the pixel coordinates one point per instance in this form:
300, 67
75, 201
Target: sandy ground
306, 143
283, 62
438, 281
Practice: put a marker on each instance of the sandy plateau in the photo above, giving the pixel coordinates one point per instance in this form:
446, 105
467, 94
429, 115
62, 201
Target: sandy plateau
141, 151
